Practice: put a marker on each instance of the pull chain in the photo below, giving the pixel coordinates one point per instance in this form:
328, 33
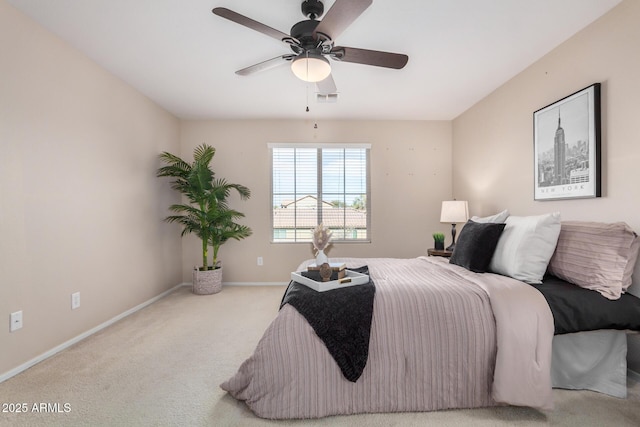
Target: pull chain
307, 85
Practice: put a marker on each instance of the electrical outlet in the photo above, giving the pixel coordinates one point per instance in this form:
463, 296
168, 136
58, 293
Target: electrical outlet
260, 261
16, 321
75, 300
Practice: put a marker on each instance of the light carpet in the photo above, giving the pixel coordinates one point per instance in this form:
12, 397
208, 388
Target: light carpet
162, 366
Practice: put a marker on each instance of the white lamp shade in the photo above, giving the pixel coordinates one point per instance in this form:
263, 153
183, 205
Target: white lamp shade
454, 211
311, 67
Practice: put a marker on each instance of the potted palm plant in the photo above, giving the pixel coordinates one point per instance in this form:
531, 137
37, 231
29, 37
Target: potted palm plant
206, 212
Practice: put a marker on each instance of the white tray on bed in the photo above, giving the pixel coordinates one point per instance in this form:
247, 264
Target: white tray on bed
351, 278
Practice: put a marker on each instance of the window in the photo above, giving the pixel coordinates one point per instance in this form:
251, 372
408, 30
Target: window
313, 184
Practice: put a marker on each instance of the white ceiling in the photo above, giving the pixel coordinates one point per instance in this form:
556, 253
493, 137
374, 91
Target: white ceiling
183, 57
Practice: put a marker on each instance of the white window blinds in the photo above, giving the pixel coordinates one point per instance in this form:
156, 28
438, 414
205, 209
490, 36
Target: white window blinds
313, 184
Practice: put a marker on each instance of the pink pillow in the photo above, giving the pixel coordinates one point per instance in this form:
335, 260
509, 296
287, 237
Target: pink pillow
596, 256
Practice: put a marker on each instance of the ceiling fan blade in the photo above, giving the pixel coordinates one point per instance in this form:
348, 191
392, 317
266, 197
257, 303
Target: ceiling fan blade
369, 57
249, 23
327, 86
340, 16
265, 65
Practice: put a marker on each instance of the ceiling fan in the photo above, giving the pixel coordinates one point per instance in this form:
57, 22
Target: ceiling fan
312, 42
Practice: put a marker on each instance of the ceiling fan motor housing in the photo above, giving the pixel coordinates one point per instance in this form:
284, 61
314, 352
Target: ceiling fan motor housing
312, 9
303, 32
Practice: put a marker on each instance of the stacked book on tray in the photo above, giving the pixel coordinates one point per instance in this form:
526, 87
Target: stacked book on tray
340, 277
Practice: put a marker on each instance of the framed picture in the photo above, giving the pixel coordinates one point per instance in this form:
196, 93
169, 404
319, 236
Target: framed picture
566, 147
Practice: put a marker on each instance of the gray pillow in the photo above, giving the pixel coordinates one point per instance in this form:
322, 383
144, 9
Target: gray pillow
476, 245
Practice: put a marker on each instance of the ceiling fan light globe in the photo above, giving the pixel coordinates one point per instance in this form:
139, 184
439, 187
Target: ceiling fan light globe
311, 68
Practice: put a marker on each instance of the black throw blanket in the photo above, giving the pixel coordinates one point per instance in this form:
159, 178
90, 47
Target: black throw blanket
341, 318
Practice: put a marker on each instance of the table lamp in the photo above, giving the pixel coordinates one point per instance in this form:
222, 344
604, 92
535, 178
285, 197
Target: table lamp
454, 211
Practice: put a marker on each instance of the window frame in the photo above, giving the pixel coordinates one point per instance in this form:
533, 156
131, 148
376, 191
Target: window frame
320, 187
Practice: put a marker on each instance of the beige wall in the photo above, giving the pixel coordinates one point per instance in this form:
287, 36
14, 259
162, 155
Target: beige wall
493, 141
410, 176
80, 206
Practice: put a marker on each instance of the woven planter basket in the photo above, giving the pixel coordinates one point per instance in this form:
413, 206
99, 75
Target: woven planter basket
207, 282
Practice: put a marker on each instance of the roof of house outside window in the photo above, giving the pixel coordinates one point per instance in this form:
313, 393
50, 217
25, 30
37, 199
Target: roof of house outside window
306, 215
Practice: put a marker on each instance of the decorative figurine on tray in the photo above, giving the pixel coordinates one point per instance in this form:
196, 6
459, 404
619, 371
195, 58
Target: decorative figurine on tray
321, 238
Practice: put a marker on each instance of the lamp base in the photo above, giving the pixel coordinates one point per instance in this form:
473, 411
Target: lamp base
453, 238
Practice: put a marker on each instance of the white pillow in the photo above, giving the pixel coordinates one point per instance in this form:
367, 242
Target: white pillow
526, 246
498, 218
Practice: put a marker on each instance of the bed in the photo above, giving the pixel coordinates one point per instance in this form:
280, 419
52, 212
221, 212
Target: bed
444, 336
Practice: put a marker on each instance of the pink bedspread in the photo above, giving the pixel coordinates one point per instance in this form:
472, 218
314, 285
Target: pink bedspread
441, 338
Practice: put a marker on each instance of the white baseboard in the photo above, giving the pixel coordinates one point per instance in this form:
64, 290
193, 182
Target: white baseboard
255, 283
13, 372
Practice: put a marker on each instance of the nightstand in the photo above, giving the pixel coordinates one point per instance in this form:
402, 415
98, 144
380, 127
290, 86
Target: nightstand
438, 252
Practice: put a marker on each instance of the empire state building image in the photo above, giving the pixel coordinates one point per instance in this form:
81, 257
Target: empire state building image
559, 155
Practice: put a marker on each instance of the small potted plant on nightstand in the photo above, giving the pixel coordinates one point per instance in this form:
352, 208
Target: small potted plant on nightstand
438, 241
